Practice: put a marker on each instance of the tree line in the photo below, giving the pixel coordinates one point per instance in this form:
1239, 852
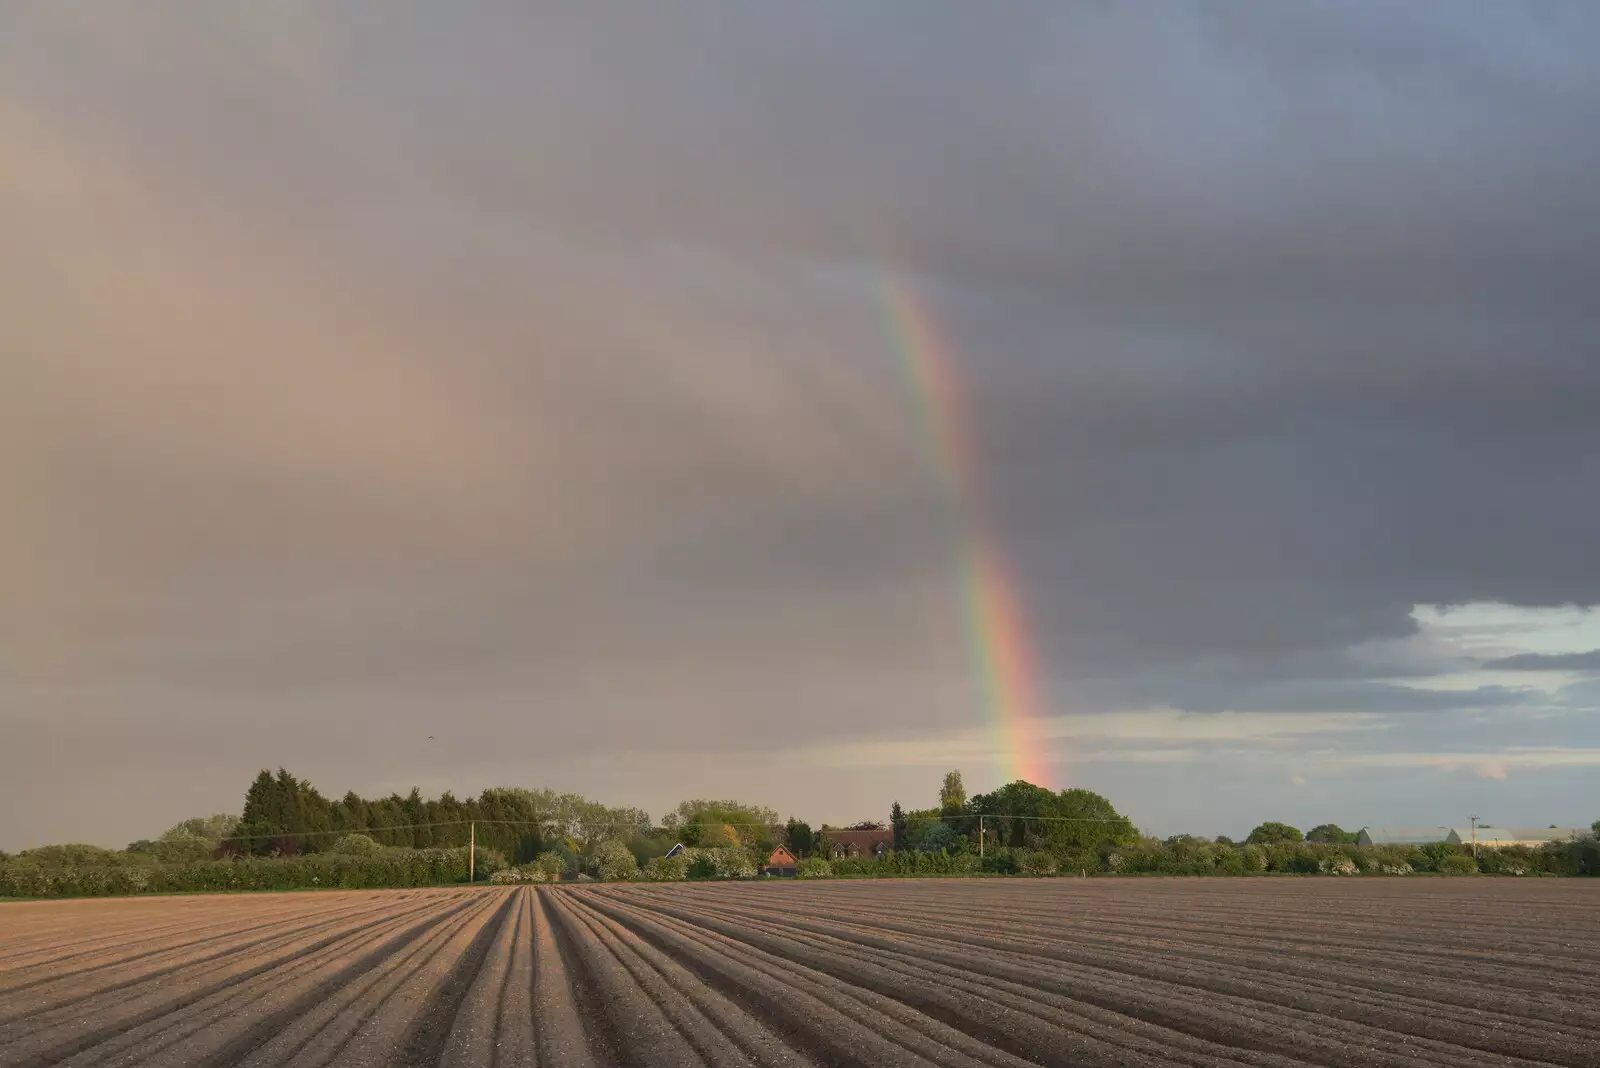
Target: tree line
1018, 828
284, 815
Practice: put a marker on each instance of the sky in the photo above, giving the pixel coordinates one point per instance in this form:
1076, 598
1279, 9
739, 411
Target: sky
791, 402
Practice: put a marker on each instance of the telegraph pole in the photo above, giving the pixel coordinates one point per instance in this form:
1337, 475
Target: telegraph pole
980, 837
1474, 820
472, 852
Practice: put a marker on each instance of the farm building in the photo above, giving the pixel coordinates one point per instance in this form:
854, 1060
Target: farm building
677, 850
1402, 836
781, 862
1499, 837
859, 843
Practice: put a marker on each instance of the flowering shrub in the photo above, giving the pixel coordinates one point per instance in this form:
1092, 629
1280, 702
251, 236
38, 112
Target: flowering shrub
667, 869
518, 876
552, 864
616, 862
1038, 862
735, 863
724, 863
814, 868
357, 845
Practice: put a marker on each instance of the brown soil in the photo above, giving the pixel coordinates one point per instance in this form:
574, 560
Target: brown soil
1269, 972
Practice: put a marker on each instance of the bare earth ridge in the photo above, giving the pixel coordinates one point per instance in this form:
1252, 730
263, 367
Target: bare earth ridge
1271, 972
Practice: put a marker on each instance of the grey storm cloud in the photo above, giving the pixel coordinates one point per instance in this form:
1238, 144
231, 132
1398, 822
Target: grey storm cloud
529, 365
1589, 661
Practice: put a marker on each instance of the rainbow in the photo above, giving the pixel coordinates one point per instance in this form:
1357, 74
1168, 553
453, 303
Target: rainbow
992, 603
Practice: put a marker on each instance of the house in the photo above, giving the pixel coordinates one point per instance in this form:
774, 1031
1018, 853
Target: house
782, 863
1402, 836
677, 850
859, 843
1500, 837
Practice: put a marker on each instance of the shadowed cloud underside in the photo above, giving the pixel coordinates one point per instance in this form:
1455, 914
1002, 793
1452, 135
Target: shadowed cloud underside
1194, 406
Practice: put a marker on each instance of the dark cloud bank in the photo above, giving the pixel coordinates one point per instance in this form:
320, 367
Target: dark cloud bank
375, 366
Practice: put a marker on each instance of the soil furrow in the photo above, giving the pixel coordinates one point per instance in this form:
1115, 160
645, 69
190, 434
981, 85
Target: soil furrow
563, 1000
974, 973
275, 1003
319, 1033
1255, 1025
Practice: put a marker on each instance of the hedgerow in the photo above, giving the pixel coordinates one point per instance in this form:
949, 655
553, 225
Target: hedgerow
388, 868
1152, 856
814, 868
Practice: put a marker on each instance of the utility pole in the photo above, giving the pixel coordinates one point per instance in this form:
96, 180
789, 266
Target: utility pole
472, 852
980, 837
1474, 820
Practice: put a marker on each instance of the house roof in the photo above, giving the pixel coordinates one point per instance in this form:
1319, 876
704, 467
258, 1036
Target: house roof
675, 850
1507, 835
860, 838
1487, 834
1405, 835
781, 858
1544, 834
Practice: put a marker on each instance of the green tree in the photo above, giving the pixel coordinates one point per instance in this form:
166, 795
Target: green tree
1272, 831
287, 809
196, 839
798, 837
1025, 816
70, 855
215, 827
700, 823
520, 822
953, 794
351, 813
416, 814
1330, 833
180, 847
937, 837
897, 820
267, 813
589, 822
920, 823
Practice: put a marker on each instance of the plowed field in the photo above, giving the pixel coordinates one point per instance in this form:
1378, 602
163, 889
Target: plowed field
1057, 972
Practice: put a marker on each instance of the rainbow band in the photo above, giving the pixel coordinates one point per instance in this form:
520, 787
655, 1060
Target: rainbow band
991, 599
